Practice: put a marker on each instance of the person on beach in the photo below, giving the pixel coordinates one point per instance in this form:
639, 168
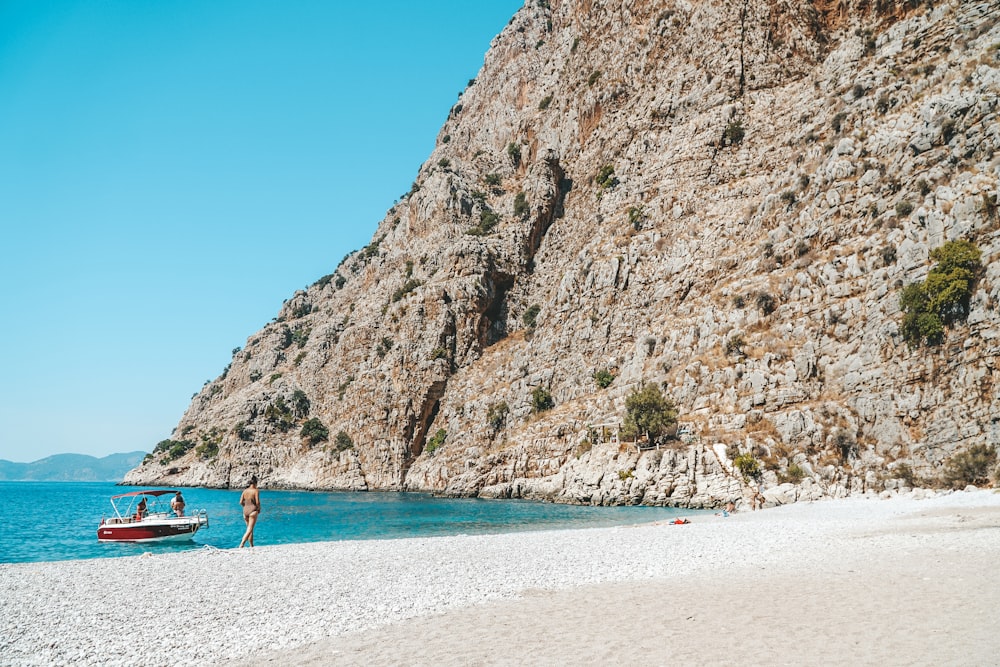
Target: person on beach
727, 510
177, 504
250, 500
140, 510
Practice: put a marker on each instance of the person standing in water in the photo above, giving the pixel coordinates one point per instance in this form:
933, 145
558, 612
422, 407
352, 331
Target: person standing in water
250, 500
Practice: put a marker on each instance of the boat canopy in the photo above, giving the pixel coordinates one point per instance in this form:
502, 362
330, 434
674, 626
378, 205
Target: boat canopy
149, 492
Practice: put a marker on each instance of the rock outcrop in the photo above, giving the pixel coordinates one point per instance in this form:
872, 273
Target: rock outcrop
721, 198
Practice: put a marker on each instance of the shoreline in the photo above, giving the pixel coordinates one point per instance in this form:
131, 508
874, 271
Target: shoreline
431, 599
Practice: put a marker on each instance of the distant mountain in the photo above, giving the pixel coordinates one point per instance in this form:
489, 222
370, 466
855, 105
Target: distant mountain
71, 468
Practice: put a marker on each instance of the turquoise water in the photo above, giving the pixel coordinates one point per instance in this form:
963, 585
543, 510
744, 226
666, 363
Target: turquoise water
44, 521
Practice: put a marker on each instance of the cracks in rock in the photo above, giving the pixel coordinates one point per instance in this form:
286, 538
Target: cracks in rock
420, 422
743, 39
493, 323
553, 209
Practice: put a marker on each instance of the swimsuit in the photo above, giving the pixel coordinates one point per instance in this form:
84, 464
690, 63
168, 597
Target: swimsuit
249, 508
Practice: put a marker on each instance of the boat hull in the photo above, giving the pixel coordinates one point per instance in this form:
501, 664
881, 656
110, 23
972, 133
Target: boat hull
148, 531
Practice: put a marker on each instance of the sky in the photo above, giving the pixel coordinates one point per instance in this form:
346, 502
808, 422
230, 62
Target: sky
172, 171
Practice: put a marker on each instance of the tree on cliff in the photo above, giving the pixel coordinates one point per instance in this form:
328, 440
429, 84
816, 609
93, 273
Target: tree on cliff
943, 297
649, 413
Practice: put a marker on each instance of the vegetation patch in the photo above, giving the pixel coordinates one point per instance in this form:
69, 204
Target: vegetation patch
436, 441
748, 466
606, 178
649, 414
942, 299
496, 415
530, 316
171, 450
973, 466
314, 431
407, 287
603, 378
541, 400
342, 441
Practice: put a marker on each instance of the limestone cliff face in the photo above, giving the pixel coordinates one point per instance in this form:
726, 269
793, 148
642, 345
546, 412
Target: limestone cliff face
724, 198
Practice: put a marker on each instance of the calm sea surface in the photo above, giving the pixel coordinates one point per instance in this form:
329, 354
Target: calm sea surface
42, 521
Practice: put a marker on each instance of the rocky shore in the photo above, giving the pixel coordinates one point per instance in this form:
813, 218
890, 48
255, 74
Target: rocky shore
333, 603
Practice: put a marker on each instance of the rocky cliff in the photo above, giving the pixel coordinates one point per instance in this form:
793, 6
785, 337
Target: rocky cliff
724, 199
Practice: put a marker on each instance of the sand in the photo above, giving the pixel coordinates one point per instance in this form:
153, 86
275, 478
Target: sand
855, 581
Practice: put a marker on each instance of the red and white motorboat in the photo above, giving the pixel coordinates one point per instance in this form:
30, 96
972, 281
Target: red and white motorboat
153, 521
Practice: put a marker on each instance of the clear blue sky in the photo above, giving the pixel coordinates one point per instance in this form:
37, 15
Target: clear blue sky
171, 171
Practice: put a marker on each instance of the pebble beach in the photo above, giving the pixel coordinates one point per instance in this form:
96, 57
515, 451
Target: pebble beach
809, 583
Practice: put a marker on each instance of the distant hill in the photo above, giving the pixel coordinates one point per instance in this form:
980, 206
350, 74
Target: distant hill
71, 468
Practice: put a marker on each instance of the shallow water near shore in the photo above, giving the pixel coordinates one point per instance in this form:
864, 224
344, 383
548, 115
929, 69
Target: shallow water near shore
48, 521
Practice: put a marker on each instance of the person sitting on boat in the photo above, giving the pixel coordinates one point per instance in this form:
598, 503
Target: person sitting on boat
177, 504
140, 511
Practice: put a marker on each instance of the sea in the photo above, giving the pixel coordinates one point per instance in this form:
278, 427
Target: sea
51, 521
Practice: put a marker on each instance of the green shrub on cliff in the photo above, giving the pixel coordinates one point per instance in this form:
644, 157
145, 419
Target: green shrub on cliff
748, 466
530, 316
343, 441
541, 400
603, 378
436, 441
648, 413
171, 450
973, 466
942, 299
496, 415
314, 431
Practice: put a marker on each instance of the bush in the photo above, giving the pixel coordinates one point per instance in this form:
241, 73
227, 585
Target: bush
748, 466
765, 303
734, 345
794, 473
493, 180
530, 316
948, 130
314, 431
171, 450
300, 403
279, 414
606, 177
496, 415
734, 133
207, 450
943, 298
903, 208
636, 216
243, 432
603, 378
888, 253
521, 207
541, 400
407, 287
845, 445
973, 466
444, 163
436, 441
514, 153
544, 104
487, 221
594, 76
342, 441
649, 413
